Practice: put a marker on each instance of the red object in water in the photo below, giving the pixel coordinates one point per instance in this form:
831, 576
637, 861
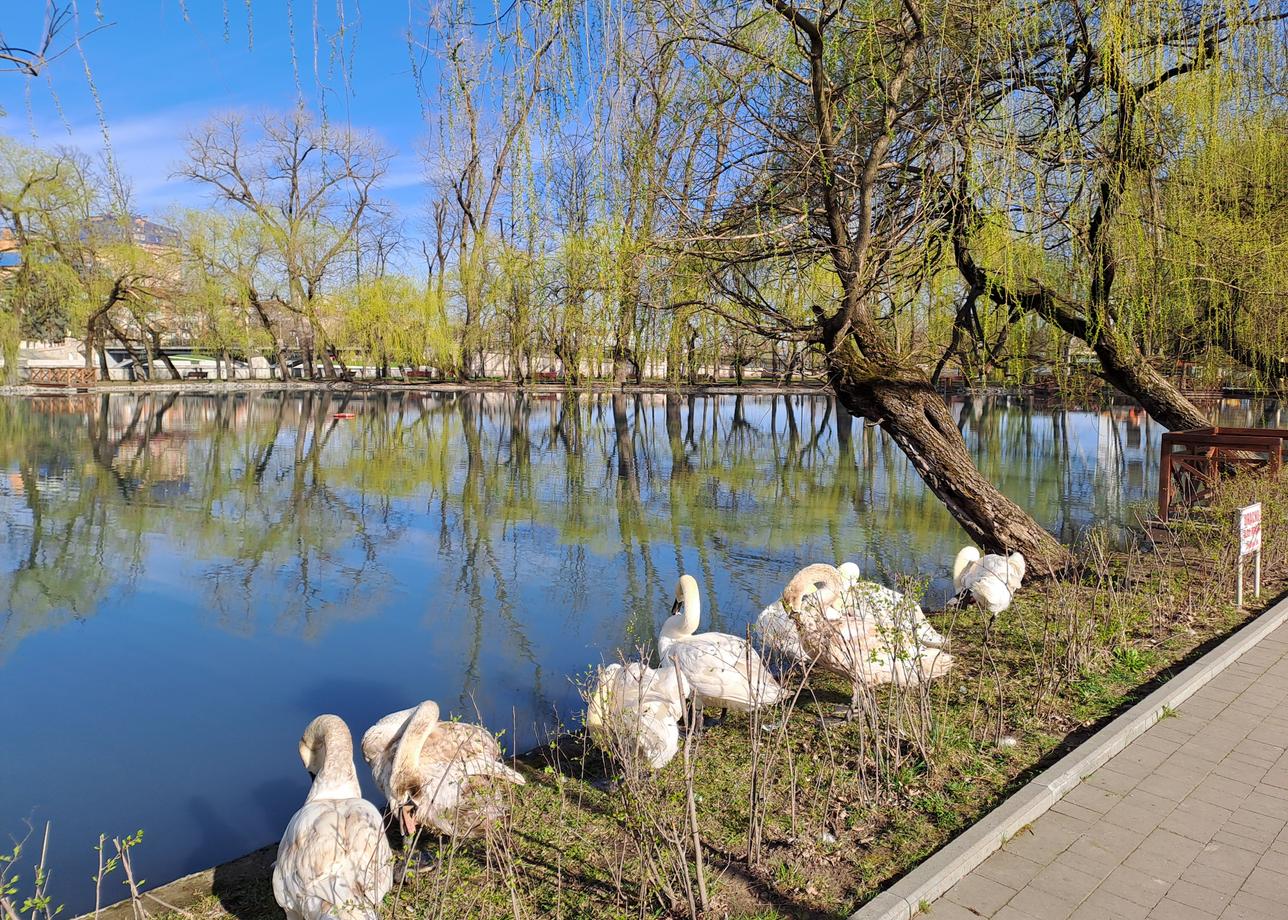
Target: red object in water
344, 415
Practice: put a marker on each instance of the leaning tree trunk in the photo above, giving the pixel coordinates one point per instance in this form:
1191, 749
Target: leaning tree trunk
1127, 371
165, 355
905, 404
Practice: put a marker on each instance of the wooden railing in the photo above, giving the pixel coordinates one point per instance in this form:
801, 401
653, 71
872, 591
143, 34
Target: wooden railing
1194, 461
61, 376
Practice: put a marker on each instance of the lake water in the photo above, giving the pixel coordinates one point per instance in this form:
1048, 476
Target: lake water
185, 581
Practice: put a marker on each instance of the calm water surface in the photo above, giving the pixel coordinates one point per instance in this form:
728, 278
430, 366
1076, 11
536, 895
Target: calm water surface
186, 581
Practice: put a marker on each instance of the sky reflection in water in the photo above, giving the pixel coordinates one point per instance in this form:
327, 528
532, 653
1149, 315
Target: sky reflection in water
186, 580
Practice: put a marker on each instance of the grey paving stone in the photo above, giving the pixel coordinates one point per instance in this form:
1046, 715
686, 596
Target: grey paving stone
1065, 882
1234, 860
1196, 819
980, 894
1211, 877
1168, 909
1257, 906
1206, 899
1105, 905
1010, 869
1034, 902
1046, 837
1266, 883
1112, 781
1108, 842
944, 909
1136, 886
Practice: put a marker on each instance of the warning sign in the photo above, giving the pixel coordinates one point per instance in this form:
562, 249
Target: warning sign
1250, 530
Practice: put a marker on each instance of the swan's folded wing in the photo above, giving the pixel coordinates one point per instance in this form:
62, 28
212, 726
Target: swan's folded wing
333, 859
777, 632
724, 670
380, 737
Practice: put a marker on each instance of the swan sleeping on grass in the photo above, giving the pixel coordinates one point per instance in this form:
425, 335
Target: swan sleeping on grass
992, 580
334, 861
887, 608
862, 634
634, 711
440, 775
723, 670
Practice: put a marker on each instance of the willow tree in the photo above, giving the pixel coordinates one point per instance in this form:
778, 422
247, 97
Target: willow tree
1217, 228
81, 270
308, 186
494, 79
1078, 120
836, 127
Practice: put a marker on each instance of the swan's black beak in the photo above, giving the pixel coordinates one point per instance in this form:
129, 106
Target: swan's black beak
676, 605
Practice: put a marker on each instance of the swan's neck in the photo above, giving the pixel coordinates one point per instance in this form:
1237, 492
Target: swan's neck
684, 622
808, 581
334, 776
964, 558
406, 765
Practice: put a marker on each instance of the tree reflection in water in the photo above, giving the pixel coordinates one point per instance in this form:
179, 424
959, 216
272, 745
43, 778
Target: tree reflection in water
188, 574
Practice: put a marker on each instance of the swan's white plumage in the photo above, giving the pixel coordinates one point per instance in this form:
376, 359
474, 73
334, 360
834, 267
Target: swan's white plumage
333, 860
440, 775
634, 711
992, 580
723, 670
887, 609
862, 631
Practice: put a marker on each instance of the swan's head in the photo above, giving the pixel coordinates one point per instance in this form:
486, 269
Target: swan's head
323, 732
822, 580
1017, 564
685, 593
405, 780
965, 557
849, 572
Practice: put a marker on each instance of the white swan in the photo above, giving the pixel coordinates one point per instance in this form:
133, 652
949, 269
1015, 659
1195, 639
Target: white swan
723, 670
859, 633
334, 861
992, 580
441, 775
888, 608
634, 711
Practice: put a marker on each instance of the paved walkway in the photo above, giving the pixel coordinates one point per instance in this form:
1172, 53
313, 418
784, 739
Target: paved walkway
1189, 822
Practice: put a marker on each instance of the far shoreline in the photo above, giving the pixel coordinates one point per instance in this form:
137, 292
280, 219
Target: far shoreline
722, 388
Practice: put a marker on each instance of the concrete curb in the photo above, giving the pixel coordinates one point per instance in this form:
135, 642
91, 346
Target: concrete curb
942, 870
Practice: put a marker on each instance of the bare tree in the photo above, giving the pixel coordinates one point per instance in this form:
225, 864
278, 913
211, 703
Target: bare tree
309, 186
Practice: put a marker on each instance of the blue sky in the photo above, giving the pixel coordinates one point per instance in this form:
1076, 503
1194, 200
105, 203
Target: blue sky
160, 74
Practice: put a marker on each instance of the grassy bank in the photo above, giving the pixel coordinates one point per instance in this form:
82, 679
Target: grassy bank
803, 815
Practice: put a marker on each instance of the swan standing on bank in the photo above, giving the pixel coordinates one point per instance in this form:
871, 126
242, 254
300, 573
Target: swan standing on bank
992, 580
888, 608
334, 861
634, 711
440, 775
723, 670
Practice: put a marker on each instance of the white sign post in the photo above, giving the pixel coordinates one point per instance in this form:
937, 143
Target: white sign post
1249, 525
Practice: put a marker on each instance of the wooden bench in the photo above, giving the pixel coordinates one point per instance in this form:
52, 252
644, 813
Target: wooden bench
196, 375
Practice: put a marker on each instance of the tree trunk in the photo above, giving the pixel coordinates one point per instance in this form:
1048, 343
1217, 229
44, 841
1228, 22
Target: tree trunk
165, 356
1128, 371
102, 357
917, 418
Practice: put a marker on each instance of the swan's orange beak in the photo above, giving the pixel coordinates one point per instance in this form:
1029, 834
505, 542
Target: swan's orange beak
407, 818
